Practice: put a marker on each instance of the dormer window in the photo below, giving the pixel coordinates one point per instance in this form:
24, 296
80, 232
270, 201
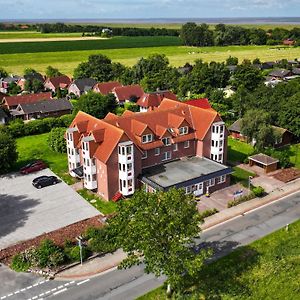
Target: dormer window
183, 130
147, 138
166, 141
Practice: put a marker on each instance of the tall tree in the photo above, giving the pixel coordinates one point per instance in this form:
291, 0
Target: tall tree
3, 73
8, 152
158, 229
96, 104
52, 72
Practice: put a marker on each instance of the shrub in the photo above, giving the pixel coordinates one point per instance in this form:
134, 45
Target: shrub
56, 140
8, 152
208, 212
241, 200
20, 263
258, 191
74, 253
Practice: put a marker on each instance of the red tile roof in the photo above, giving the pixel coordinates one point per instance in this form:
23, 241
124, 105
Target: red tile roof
62, 81
154, 99
126, 92
202, 103
106, 87
106, 136
30, 98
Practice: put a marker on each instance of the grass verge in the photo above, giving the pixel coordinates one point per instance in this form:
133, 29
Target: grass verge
238, 151
105, 207
266, 269
241, 176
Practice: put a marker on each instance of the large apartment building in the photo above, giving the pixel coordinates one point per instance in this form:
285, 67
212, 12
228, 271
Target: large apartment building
175, 145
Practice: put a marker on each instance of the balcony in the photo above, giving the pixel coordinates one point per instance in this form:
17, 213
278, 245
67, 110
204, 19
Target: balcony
124, 159
90, 185
91, 170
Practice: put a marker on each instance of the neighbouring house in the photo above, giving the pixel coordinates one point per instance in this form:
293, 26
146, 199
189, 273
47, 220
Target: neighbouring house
105, 88
268, 65
42, 109
285, 137
280, 74
3, 117
201, 103
128, 93
4, 82
149, 101
296, 71
289, 42
268, 163
176, 145
30, 77
81, 86
53, 83
11, 102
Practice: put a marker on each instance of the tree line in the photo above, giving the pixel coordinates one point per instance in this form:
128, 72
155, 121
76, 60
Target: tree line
225, 35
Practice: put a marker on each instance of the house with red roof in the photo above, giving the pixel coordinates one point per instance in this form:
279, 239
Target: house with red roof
149, 101
128, 93
176, 145
105, 88
53, 83
201, 103
12, 102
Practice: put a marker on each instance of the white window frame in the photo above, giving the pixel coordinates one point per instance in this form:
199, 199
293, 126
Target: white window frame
156, 151
211, 182
145, 154
166, 141
166, 156
183, 130
147, 138
186, 144
175, 147
222, 179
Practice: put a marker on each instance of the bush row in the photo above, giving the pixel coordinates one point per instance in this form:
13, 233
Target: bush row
18, 128
49, 255
208, 213
241, 199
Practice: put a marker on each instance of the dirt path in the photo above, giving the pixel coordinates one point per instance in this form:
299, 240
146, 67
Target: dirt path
55, 39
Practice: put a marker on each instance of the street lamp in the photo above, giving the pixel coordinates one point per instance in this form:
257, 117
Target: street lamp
79, 239
249, 182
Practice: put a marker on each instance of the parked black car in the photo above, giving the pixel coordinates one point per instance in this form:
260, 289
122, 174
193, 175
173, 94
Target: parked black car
43, 181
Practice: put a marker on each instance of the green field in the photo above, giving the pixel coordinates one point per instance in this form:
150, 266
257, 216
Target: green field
238, 151
35, 35
66, 61
266, 269
101, 44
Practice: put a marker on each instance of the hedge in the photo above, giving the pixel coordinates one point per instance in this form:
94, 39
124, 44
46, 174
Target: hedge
18, 128
241, 199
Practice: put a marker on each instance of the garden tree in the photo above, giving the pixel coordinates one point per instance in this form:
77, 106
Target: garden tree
98, 67
37, 86
127, 77
52, 72
158, 230
58, 93
13, 88
257, 36
256, 125
232, 61
150, 66
117, 70
289, 116
56, 140
248, 76
8, 151
96, 104
203, 76
256, 61
29, 71
3, 73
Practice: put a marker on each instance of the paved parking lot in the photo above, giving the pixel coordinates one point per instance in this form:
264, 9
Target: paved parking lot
26, 212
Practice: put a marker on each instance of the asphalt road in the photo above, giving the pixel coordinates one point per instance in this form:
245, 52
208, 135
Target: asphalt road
129, 284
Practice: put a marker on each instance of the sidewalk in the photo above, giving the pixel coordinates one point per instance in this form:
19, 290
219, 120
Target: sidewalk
105, 263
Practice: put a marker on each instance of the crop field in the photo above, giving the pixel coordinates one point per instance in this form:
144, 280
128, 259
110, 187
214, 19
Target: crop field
35, 35
113, 43
66, 61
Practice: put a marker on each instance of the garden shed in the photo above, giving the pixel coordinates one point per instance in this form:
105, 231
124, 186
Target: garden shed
268, 163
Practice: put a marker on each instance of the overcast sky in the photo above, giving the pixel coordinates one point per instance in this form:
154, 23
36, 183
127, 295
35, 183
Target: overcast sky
56, 9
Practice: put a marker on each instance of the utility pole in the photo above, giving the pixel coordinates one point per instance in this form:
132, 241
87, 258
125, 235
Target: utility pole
79, 239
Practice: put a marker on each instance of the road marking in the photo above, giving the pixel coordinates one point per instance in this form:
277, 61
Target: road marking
36, 284
61, 286
3, 297
48, 292
66, 284
41, 282
29, 287
84, 281
53, 290
17, 292
61, 291
72, 282
9, 294
41, 295
35, 297
22, 290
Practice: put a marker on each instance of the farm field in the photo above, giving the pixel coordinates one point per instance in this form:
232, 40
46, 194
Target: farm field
35, 35
266, 269
66, 61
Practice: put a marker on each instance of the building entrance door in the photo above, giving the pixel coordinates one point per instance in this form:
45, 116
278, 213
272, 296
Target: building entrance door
198, 189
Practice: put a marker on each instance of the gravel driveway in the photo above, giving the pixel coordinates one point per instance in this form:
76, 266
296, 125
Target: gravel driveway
26, 212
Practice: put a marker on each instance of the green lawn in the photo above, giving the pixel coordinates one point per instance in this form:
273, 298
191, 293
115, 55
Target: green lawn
266, 269
36, 147
106, 207
241, 176
178, 56
238, 151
